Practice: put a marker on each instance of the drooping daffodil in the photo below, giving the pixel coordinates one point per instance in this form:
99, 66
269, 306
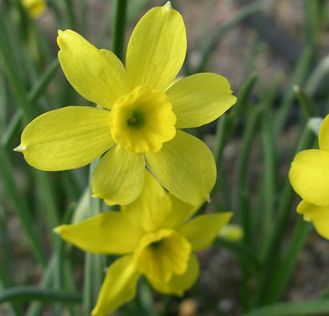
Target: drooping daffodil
155, 237
309, 176
140, 112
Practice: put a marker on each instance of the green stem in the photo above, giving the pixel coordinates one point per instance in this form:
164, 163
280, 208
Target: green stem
284, 270
31, 293
283, 212
11, 129
33, 97
71, 20
40, 86
268, 188
6, 171
312, 22
242, 190
243, 159
11, 68
305, 103
119, 28
301, 71
226, 123
225, 128
94, 264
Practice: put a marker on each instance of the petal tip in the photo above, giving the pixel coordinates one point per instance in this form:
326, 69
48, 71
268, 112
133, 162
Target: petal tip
168, 6
20, 148
58, 230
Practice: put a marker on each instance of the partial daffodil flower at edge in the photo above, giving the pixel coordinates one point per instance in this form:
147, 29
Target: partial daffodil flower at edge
156, 239
141, 111
309, 176
34, 7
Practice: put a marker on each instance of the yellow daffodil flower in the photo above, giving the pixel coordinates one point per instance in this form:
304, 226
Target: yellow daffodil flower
309, 176
34, 7
141, 109
156, 239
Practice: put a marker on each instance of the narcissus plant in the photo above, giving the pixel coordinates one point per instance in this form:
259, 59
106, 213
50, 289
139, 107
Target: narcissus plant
309, 176
156, 237
141, 109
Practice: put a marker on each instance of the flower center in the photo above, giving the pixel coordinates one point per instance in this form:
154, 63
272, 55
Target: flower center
142, 120
162, 254
136, 119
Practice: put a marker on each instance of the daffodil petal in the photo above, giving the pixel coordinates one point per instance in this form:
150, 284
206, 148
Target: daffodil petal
200, 99
318, 215
186, 167
109, 233
119, 286
150, 209
179, 283
157, 48
324, 134
97, 75
202, 230
66, 138
119, 177
309, 176
179, 212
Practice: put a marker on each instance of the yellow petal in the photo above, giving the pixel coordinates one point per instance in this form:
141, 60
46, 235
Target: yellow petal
150, 209
309, 176
179, 212
119, 287
157, 48
162, 254
200, 99
202, 230
179, 283
318, 215
324, 134
186, 167
97, 75
119, 177
109, 233
66, 138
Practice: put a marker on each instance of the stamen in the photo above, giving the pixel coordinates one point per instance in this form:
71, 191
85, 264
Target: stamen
136, 119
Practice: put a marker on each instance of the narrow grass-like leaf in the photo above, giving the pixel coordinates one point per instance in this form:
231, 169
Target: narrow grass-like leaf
285, 268
287, 197
21, 208
316, 307
31, 293
210, 45
305, 103
301, 71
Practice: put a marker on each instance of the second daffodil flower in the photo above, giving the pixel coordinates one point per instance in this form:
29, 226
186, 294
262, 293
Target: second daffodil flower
156, 239
309, 176
141, 109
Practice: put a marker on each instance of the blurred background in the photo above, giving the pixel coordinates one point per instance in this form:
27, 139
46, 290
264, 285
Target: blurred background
275, 54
